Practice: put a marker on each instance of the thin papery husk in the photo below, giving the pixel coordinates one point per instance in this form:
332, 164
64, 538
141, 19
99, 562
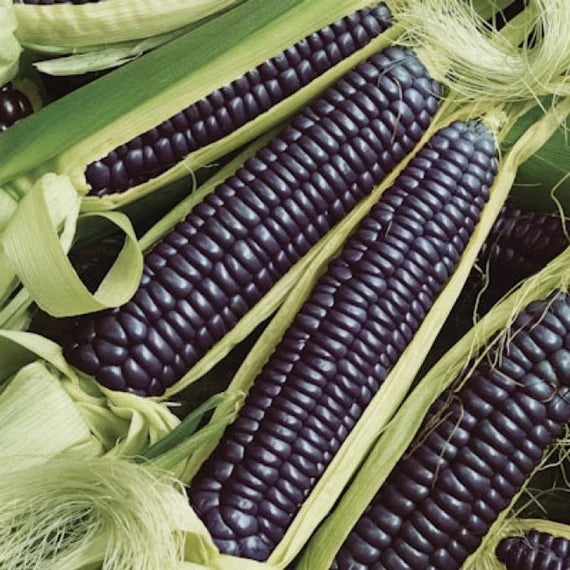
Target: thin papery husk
119, 423
108, 21
529, 59
489, 333
487, 559
11, 48
77, 511
33, 251
33, 428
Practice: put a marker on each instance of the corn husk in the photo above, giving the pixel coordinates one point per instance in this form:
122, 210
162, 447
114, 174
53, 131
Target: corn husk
33, 428
33, 251
121, 423
11, 49
108, 21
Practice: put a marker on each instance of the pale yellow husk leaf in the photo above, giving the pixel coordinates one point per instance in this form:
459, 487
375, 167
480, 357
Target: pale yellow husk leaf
108, 21
11, 49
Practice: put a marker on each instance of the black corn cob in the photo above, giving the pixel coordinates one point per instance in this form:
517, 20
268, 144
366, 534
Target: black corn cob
14, 105
523, 242
445, 493
232, 106
227, 253
534, 551
357, 321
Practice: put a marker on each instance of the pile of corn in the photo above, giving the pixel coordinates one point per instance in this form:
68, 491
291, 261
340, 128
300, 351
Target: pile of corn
288, 288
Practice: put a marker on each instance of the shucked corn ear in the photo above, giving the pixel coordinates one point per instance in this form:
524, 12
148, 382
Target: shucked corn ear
230, 107
46, 25
125, 132
343, 343
522, 242
457, 454
208, 272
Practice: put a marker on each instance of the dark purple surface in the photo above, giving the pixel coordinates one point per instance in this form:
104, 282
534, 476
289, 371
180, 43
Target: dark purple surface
534, 551
232, 106
522, 242
444, 494
359, 318
230, 250
14, 105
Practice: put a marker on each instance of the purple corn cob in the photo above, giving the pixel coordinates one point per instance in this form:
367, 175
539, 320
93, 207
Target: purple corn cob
445, 493
14, 105
348, 335
232, 106
521, 243
534, 551
229, 251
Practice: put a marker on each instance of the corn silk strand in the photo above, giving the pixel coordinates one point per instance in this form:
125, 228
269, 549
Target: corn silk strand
486, 66
75, 511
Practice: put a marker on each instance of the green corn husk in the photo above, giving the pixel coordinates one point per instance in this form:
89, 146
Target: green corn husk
11, 49
34, 247
118, 423
517, 527
79, 510
108, 21
398, 434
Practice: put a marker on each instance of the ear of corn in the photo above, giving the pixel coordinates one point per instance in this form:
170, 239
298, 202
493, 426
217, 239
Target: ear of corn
399, 432
222, 259
479, 442
14, 105
120, 106
344, 342
521, 243
92, 23
526, 543
380, 408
